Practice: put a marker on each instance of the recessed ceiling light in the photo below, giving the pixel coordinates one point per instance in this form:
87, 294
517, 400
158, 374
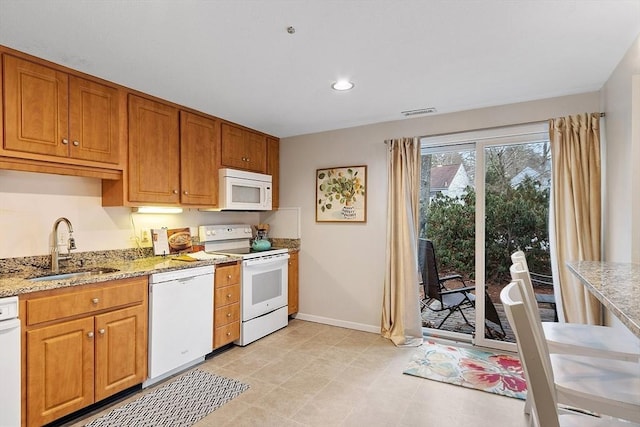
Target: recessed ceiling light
342, 85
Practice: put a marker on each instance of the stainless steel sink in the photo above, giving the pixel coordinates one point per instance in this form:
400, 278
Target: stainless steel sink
76, 273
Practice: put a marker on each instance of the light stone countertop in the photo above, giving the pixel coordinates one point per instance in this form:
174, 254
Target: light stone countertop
617, 287
15, 272
14, 276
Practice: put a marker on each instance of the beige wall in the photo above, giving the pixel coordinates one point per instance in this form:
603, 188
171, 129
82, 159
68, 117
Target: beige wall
31, 202
342, 265
620, 100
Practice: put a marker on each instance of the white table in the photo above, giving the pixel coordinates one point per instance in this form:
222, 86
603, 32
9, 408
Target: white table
616, 285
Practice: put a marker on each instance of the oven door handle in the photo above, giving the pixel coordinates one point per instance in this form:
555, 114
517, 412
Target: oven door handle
269, 259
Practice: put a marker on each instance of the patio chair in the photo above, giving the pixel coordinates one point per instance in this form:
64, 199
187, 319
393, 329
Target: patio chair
606, 387
586, 340
439, 297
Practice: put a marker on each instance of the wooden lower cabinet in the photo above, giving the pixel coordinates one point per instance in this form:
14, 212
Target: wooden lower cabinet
121, 339
293, 274
60, 364
74, 360
226, 305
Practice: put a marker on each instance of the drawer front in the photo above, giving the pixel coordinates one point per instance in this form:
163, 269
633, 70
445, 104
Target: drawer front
73, 302
226, 295
60, 306
227, 314
227, 275
226, 334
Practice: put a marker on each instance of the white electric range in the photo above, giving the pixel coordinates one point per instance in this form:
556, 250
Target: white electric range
264, 281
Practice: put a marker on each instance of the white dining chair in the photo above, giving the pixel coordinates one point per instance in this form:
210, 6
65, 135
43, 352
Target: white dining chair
573, 338
602, 386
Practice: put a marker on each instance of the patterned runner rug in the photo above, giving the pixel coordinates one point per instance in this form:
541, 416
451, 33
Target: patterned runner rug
497, 373
179, 403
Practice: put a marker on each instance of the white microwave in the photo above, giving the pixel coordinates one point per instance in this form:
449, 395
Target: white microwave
244, 191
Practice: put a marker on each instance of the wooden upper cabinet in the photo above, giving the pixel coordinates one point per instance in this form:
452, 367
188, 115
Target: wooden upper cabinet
49, 112
36, 115
154, 152
243, 149
273, 169
199, 148
93, 121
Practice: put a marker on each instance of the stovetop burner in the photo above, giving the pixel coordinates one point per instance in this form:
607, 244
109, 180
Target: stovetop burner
232, 240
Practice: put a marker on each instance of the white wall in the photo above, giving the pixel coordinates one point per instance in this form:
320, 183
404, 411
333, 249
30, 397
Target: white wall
31, 202
621, 102
342, 265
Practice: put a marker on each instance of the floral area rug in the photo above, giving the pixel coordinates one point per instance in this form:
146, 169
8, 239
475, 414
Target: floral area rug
481, 370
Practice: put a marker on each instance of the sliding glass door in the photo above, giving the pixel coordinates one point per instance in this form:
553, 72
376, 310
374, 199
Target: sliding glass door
483, 197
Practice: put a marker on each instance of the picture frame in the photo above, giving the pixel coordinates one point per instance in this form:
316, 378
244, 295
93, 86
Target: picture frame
341, 194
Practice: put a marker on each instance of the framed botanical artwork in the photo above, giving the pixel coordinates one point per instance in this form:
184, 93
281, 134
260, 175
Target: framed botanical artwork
341, 194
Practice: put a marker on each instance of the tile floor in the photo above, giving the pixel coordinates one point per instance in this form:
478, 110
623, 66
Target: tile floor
309, 374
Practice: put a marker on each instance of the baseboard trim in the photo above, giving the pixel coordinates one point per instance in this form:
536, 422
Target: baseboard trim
337, 322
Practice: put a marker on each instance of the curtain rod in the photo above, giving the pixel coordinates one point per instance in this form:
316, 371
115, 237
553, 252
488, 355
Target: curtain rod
488, 128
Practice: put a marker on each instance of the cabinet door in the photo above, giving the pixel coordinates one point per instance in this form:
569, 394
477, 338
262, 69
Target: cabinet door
273, 169
256, 151
199, 147
60, 365
121, 356
232, 147
36, 117
93, 121
293, 274
154, 153
243, 149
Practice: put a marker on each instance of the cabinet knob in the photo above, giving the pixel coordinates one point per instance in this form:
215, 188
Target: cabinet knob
186, 193
228, 295
248, 159
65, 141
228, 314
95, 300
229, 276
175, 191
101, 331
76, 143
228, 334
90, 334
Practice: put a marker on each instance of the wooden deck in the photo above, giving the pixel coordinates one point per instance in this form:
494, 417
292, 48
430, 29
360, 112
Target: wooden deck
456, 323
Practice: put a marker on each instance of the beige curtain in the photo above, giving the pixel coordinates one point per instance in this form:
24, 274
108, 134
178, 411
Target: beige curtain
575, 154
401, 309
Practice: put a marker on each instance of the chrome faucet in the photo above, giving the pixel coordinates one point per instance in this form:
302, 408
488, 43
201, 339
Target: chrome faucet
55, 250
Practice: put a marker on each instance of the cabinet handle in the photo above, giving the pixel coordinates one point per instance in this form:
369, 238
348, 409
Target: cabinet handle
101, 331
95, 300
76, 143
90, 334
65, 141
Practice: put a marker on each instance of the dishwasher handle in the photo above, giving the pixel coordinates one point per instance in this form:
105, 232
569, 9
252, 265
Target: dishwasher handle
5, 325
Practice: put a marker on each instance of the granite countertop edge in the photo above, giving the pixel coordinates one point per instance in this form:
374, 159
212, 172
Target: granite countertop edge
16, 272
19, 284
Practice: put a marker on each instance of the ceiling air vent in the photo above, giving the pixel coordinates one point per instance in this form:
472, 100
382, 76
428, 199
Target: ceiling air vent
419, 111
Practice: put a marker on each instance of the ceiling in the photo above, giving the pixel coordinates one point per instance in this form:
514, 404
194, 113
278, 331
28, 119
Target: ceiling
235, 59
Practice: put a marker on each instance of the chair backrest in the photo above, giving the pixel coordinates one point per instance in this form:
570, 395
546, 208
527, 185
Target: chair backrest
519, 271
534, 357
427, 260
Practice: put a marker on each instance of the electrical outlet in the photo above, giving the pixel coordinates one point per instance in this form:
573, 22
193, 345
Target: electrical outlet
144, 236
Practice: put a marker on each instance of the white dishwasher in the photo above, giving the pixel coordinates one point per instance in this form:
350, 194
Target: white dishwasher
180, 320
9, 362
